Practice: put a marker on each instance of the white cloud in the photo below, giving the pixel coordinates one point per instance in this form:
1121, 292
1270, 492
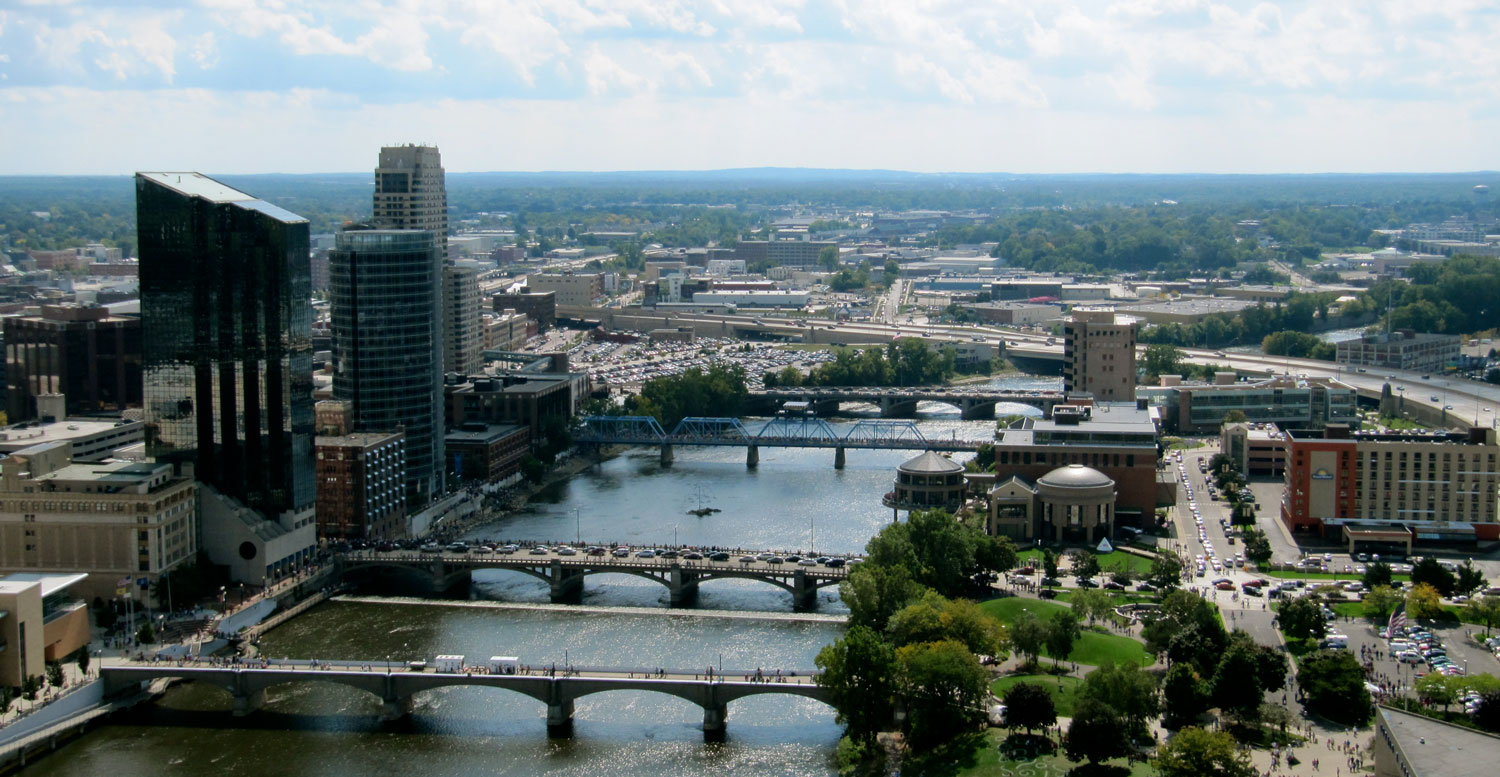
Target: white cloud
121, 45
205, 50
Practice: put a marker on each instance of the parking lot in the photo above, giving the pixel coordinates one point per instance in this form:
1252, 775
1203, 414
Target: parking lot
1367, 640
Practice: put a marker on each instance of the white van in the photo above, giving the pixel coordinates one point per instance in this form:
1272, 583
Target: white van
505, 665
450, 664
1336, 642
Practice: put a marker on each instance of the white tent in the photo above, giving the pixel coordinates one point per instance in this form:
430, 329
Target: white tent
1105, 547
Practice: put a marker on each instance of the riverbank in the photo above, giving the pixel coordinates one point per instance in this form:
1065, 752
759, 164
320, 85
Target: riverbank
494, 507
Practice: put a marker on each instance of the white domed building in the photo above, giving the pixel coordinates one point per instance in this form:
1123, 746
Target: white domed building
1070, 503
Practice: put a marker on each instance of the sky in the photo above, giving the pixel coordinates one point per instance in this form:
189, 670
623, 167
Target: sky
1025, 86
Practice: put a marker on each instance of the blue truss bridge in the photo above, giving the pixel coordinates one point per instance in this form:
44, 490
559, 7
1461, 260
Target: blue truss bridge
781, 432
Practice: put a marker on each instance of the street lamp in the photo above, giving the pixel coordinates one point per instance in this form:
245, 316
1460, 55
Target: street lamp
577, 531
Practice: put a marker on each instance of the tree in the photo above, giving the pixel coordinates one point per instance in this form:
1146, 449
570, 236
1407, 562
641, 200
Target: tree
1183, 697
1302, 618
1049, 563
83, 661
828, 258
1162, 359
1128, 689
1487, 714
1028, 706
1235, 689
1437, 688
1062, 632
7, 697
1380, 601
1376, 575
1333, 685
944, 688
875, 592
1422, 601
54, 674
996, 554
1097, 733
1195, 752
1485, 610
1186, 628
146, 634
1235, 417
1429, 571
933, 618
1468, 580
1257, 545
30, 687
1085, 564
1028, 635
859, 670
1166, 572
1092, 604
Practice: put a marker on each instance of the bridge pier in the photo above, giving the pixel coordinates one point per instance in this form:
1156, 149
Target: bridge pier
715, 722
752, 456
684, 587
395, 708
974, 410
567, 584
666, 454
838, 457
247, 702
804, 592
560, 718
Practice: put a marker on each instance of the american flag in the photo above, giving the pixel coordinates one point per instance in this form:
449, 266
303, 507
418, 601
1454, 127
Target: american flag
1397, 621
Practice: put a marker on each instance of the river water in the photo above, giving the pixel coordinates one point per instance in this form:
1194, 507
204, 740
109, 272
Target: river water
794, 500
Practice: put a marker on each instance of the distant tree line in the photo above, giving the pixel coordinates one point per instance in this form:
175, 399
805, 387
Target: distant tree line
904, 362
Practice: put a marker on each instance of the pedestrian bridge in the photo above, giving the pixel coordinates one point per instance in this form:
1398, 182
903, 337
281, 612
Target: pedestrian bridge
247, 684
565, 574
972, 402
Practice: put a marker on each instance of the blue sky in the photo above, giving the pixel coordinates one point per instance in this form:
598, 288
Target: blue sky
1034, 86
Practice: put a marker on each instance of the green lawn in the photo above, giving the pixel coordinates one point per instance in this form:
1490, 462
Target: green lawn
1092, 648
982, 756
1062, 688
1137, 565
1344, 576
1179, 444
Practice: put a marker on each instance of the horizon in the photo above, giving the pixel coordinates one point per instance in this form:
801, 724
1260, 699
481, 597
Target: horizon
1022, 87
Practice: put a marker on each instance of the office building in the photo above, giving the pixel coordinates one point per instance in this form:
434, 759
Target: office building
488, 453
361, 486
463, 328
387, 345
529, 399
411, 192
1099, 355
227, 360
108, 520
1289, 402
1428, 486
1116, 439
1410, 745
91, 358
539, 306
1255, 449
571, 289
1399, 350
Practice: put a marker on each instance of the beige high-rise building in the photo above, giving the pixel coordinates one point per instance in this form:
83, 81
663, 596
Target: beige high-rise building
1099, 355
410, 191
463, 321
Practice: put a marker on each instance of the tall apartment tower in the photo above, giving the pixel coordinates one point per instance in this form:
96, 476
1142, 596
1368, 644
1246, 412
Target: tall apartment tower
463, 322
387, 345
410, 192
226, 324
1099, 355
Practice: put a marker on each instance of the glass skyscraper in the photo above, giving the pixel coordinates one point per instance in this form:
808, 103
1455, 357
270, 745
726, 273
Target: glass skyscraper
227, 329
385, 287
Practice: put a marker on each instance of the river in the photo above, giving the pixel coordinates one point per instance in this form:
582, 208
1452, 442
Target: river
795, 499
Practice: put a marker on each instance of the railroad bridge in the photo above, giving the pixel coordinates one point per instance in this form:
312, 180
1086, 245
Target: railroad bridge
565, 574
395, 687
972, 402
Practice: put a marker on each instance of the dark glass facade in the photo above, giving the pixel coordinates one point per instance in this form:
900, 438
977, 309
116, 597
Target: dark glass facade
227, 322
385, 292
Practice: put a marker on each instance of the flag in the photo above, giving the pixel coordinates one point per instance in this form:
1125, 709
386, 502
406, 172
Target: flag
1397, 621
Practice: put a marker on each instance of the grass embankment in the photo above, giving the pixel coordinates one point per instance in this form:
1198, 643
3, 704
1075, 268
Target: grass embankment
1092, 648
1109, 562
1347, 577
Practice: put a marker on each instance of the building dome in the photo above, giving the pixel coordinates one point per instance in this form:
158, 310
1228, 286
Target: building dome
1076, 476
931, 463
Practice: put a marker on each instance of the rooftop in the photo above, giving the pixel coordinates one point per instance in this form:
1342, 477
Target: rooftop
36, 433
1433, 748
931, 463
116, 472
197, 185
51, 582
490, 433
